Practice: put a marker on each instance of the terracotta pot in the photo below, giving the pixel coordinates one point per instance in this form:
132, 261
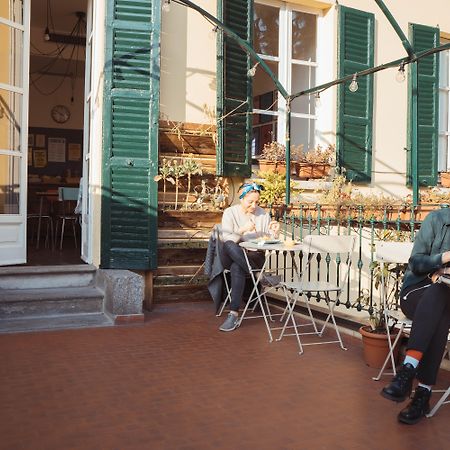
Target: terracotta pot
376, 347
445, 179
269, 166
306, 171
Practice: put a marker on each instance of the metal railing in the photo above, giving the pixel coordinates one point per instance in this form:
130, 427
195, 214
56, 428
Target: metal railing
370, 226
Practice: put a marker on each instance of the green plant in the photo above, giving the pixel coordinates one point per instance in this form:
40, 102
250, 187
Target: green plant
318, 155
340, 192
190, 167
274, 185
165, 172
276, 152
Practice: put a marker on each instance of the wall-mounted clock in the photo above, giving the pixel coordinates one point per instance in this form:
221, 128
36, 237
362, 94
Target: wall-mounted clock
60, 113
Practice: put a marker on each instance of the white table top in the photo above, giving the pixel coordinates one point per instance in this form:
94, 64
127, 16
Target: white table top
279, 247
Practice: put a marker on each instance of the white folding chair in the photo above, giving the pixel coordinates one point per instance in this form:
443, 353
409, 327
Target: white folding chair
392, 253
446, 393
334, 251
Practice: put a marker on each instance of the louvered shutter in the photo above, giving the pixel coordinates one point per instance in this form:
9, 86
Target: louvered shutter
130, 152
234, 90
423, 38
355, 109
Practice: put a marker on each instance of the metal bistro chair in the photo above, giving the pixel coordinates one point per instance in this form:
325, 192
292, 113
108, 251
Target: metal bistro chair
68, 198
392, 253
333, 251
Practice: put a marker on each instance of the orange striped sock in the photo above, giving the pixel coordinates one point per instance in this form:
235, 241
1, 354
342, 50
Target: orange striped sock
414, 354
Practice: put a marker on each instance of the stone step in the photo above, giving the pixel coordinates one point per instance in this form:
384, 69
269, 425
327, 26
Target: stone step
22, 303
43, 277
59, 322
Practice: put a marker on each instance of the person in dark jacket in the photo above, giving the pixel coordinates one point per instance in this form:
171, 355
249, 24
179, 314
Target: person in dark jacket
427, 303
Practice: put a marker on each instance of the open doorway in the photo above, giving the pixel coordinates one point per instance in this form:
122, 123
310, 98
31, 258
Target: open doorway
56, 130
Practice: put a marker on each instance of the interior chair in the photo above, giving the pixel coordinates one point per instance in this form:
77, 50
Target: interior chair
330, 254
67, 198
392, 253
36, 219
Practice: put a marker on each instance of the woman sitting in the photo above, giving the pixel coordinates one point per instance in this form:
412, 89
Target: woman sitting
243, 222
427, 304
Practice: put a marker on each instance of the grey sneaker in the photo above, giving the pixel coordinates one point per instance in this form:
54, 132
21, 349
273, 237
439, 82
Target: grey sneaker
230, 323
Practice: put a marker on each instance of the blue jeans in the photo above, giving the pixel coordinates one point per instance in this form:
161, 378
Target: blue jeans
233, 259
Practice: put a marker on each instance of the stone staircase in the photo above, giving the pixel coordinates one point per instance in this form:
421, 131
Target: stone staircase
50, 297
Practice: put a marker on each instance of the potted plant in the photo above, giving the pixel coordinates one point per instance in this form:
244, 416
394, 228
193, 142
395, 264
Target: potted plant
374, 335
273, 157
315, 163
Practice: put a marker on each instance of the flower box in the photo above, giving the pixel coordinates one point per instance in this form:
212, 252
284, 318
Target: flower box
307, 171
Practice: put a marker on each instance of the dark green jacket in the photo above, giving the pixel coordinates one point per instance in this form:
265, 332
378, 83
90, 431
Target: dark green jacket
431, 241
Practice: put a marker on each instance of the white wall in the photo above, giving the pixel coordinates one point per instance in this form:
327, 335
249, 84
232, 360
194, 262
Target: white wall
188, 64
42, 102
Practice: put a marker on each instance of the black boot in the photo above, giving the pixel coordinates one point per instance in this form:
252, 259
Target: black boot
401, 385
417, 408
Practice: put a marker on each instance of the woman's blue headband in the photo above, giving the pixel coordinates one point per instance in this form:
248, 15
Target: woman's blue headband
249, 187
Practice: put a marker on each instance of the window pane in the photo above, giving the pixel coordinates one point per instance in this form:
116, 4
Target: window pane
303, 36
303, 77
11, 56
265, 30
302, 132
12, 10
265, 95
264, 131
10, 119
9, 184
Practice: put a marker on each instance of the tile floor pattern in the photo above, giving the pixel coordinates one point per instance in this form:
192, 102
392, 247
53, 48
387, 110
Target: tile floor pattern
176, 382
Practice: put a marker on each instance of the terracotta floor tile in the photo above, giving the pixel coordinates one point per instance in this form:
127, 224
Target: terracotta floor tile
176, 382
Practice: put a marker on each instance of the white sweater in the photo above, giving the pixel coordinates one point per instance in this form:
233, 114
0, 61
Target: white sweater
235, 218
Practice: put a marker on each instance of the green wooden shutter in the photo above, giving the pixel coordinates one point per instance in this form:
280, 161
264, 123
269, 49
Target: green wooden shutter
423, 38
355, 109
233, 88
130, 135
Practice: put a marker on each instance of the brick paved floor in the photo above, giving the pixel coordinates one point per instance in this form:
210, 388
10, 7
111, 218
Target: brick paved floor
176, 382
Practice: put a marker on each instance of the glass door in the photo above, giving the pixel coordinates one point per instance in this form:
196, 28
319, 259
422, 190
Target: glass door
14, 62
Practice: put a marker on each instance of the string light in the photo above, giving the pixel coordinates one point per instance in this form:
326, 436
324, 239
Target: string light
251, 72
353, 85
400, 76
47, 31
317, 100
166, 6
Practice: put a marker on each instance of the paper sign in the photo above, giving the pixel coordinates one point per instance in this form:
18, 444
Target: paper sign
40, 140
74, 152
40, 158
56, 150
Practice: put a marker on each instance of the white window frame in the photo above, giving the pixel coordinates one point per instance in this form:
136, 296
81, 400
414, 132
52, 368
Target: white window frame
444, 109
286, 62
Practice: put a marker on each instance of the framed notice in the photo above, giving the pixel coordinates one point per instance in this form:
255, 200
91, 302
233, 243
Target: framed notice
40, 140
56, 150
74, 152
40, 158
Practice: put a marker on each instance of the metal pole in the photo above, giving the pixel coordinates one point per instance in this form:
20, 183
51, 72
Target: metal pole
414, 136
288, 150
406, 44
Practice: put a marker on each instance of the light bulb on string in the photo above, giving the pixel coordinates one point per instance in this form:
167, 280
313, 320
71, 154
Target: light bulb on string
46, 34
166, 6
353, 85
317, 100
251, 72
400, 75
213, 33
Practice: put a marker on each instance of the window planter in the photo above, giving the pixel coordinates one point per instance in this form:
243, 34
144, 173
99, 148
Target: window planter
308, 171
273, 166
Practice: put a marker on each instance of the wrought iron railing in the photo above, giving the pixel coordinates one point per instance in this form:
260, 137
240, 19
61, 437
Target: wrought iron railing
369, 225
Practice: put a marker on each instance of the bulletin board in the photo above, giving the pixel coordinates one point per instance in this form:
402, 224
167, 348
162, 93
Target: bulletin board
55, 151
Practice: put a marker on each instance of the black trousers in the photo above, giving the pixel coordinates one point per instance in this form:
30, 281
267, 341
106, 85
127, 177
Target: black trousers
429, 309
233, 259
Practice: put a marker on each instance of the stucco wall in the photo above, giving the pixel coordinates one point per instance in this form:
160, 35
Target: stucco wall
188, 64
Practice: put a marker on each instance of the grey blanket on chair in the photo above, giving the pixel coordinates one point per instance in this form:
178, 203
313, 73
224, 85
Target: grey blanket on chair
214, 267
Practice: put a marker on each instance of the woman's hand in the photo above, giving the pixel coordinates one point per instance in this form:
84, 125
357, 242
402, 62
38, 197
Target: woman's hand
274, 228
444, 271
248, 228
446, 257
